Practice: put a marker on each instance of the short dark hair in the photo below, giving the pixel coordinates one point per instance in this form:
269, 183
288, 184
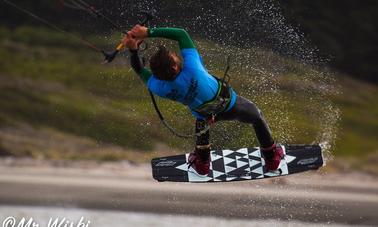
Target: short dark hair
161, 64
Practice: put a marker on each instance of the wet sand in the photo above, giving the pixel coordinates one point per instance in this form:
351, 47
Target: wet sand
312, 197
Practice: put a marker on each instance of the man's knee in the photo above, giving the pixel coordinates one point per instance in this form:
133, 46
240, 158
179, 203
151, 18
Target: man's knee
251, 114
256, 116
260, 114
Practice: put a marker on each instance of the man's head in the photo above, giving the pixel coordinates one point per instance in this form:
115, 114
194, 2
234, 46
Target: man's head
164, 64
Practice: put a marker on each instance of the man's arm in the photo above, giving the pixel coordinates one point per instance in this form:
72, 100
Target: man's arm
176, 34
192, 59
133, 44
138, 67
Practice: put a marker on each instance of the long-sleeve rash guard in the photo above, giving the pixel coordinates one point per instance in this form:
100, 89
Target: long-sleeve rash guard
193, 86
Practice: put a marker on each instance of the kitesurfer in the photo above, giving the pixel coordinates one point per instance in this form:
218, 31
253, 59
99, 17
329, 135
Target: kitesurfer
187, 81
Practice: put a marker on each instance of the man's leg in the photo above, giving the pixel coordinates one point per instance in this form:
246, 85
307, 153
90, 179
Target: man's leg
247, 112
200, 158
204, 138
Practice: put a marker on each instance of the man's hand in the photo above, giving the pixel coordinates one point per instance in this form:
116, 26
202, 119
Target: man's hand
139, 31
131, 41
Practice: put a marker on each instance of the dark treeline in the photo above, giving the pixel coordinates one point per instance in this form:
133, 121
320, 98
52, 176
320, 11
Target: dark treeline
347, 30
344, 31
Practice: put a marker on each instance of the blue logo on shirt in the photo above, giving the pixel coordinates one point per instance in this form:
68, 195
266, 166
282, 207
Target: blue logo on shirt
192, 92
173, 95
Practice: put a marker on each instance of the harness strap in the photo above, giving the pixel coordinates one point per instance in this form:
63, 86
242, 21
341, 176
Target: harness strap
219, 103
221, 100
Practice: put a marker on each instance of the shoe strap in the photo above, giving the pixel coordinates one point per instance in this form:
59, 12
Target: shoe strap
268, 149
203, 147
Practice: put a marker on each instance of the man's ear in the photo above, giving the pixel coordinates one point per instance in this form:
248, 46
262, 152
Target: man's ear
176, 68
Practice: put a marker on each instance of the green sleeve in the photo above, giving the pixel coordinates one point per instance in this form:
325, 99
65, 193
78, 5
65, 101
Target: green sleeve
145, 75
176, 34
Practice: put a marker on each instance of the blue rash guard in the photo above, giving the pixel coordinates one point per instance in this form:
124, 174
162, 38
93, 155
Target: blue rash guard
193, 86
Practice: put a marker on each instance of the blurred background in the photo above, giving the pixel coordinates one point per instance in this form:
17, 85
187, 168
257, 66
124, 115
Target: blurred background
64, 117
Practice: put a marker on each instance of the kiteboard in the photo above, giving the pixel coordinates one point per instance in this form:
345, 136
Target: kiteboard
242, 164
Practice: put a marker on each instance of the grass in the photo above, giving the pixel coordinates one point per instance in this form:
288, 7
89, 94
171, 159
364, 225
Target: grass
50, 81
359, 122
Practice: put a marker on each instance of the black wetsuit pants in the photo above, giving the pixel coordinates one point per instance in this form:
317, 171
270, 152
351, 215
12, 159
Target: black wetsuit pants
244, 111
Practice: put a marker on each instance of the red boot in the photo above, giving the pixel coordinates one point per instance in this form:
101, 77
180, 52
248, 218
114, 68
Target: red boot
272, 156
200, 160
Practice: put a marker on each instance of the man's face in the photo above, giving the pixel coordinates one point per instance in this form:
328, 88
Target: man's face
177, 60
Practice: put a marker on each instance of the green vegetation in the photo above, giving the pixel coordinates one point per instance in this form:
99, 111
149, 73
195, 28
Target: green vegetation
63, 88
359, 122
51, 82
